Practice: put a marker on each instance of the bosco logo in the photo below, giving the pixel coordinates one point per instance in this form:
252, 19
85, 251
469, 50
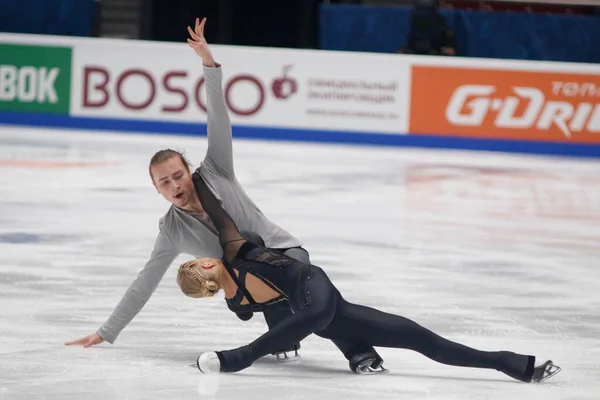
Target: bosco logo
138, 89
284, 86
471, 104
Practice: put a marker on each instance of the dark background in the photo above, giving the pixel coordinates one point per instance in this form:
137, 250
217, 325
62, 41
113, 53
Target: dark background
272, 23
473, 28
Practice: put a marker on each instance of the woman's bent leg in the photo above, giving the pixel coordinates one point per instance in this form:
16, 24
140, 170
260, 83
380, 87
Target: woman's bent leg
314, 308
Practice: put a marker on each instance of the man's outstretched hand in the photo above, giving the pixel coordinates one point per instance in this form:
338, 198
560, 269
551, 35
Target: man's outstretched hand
88, 341
199, 44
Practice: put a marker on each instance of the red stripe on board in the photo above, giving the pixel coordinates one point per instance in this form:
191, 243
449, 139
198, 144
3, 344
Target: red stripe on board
54, 164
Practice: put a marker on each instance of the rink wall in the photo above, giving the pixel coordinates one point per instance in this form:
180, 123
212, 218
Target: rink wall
303, 95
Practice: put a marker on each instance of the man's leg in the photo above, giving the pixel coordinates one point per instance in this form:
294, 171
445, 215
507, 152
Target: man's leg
362, 357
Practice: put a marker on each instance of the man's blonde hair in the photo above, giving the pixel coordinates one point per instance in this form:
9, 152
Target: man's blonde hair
164, 155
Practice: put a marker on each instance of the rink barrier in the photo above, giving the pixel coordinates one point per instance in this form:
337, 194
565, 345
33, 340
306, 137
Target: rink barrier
303, 95
299, 135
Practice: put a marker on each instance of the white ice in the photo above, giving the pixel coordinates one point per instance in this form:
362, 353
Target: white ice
493, 251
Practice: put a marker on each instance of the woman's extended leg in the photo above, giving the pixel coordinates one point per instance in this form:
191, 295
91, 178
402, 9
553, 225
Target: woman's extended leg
380, 329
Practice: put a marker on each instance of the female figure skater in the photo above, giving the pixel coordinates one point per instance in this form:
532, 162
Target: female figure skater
258, 278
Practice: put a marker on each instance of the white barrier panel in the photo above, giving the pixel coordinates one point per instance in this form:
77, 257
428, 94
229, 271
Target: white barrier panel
284, 88
301, 89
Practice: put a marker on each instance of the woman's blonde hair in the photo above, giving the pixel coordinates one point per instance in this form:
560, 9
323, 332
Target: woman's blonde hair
192, 283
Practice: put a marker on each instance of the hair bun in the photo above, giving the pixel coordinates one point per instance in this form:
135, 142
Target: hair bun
193, 283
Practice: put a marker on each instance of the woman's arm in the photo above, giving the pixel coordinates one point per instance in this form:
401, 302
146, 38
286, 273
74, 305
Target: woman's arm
230, 237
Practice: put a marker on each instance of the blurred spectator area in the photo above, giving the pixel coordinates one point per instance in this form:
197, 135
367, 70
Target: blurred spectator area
558, 30
51, 17
552, 30
538, 6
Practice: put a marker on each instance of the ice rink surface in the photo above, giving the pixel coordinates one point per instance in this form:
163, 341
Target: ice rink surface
498, 252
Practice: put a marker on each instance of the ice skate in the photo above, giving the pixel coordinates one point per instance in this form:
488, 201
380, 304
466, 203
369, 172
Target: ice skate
545, 371
367, 364
209, 363
283, 356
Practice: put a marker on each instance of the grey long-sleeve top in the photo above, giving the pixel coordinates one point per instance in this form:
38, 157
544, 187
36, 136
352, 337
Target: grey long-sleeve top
180, 232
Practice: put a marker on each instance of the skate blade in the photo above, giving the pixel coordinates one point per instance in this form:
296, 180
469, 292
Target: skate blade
372, 371
551, 370
283, 357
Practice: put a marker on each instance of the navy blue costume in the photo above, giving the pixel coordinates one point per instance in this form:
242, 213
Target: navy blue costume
319, 308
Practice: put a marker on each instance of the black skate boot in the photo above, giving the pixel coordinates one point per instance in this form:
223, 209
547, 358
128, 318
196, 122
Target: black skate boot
545, 371
283, 356
367, 363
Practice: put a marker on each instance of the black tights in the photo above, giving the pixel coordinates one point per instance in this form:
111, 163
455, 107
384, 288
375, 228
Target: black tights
320, 309
274, 316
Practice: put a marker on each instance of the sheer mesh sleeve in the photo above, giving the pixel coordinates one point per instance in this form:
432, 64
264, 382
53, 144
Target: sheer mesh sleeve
229, 236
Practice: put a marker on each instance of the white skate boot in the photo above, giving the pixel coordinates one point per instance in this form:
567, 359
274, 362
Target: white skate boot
209, 363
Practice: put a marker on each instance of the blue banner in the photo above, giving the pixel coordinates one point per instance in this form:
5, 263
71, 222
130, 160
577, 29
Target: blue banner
49, 17
510, 35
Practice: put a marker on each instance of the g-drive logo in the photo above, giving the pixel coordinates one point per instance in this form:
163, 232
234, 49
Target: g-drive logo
529, 107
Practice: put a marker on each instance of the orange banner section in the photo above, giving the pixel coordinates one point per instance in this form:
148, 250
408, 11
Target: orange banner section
501, 104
